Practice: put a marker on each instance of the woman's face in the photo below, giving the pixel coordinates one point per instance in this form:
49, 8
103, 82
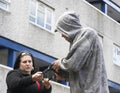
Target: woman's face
26, 64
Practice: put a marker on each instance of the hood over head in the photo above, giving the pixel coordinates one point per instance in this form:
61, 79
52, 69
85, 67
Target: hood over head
68, 24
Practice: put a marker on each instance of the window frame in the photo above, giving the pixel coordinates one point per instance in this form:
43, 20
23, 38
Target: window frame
116, 54
4, 5
46, 9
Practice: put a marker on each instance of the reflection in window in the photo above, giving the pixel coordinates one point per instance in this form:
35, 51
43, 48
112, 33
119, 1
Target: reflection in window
48, 19
32, 11
4, 4
40, 19
41, 15
116, 55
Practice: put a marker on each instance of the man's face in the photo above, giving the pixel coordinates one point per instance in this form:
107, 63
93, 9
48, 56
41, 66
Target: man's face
66, 38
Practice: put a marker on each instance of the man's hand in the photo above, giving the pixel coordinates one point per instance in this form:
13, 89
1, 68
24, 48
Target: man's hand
55, 65
59, 77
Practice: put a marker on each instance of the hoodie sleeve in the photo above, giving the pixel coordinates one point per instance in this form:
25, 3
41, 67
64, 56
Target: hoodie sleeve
79, 52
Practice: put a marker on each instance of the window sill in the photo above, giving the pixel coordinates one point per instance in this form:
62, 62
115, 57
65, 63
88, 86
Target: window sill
4, 10
51, 32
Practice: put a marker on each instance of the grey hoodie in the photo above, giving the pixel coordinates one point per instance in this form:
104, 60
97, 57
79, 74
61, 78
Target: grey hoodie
85, 61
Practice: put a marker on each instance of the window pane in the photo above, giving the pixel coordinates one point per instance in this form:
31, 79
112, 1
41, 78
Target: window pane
116, 55
40, 14
40, 19
41, 7
49, 16
48, 27
32, 19
3, 5
48, 19
32, 8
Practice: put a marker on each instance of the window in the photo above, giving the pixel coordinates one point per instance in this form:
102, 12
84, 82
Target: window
3, 55
109, 7
116, 55
4, 4
41, 14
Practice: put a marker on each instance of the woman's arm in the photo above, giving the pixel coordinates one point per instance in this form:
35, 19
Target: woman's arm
15, 79
47, 85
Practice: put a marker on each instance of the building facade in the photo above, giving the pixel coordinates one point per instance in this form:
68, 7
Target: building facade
29, 25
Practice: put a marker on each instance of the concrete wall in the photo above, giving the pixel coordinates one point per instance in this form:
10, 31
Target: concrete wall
56, 88
3, 72
117, 2
15, 25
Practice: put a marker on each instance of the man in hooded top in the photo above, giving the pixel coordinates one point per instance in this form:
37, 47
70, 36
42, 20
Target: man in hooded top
85, 61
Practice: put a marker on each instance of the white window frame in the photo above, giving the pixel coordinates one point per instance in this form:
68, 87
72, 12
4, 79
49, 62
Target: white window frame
4, 5
116, 55
35, 16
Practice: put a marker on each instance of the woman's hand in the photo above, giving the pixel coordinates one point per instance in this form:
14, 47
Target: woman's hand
46, 83
37, 76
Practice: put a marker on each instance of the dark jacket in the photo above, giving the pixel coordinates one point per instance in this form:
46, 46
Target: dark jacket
19, 82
